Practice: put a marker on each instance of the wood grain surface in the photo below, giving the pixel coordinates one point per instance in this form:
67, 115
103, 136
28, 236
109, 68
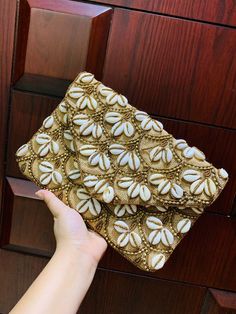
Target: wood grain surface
215, 11
173, 68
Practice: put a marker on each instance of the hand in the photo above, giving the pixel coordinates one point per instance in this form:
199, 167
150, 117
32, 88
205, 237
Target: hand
70, 230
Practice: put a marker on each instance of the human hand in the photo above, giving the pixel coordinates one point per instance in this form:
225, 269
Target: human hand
70, 230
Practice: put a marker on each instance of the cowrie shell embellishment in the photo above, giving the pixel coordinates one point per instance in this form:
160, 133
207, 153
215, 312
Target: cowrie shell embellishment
159, 233
49, 174
46, 145
23, 150
126, 236
158, 261
87, 203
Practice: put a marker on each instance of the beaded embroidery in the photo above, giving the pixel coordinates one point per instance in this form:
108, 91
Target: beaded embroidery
132, 181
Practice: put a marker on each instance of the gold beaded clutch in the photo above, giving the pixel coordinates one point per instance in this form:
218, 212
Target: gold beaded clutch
132, 181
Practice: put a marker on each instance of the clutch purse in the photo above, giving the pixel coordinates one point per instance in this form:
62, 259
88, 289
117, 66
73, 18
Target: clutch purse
132, 181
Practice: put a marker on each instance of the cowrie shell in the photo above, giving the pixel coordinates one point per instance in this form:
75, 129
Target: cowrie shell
85, 78
125, 182
210, 187
164, 187
113, 98
90, 181
155, 154
146, 124
188, 152
167, 155
94, 207
121, 209
184, 225
121, 226
134, 239
181, 144
128, 129
97, 131
54, 147
197, 210
87, 150
104, 90
223, 173
116, 149
113, 117
144, 193
94, 159
43, 150
23, 150
43, 138
63, 107
176, 191
92, 103
197, 187
56, 177
80, 119
67, 135
82, 194
74, 174
65, 119
82, 206
123, 158
117, 128
157, 125
134, 162
86, 101
140, 115
104, 162
86, 128
123, 239
46, 166
122, 100
158, 261
154, 223
72, 147
156, 178
48, 122
108, 194
154, 237
133, 190
45, 178
167, 237
199, 154
101, 186
76, 92
191, 175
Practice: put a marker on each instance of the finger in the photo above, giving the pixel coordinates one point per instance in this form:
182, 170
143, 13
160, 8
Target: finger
55, 205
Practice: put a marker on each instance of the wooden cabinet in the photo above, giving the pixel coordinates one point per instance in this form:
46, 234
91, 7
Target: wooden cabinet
173, 59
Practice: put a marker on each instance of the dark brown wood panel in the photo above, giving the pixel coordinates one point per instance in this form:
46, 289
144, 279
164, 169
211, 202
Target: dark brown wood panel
27, 114
216, 11
17, 272
172, 67
59, 39
110, 292
219, 302
7, 26
116, 293
28, 223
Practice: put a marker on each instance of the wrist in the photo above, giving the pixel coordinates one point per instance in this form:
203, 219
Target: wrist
77, 252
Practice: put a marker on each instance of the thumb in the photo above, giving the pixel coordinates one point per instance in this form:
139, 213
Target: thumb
55, 205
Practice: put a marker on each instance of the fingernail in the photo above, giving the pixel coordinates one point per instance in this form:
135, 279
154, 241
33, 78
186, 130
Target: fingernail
39, 194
